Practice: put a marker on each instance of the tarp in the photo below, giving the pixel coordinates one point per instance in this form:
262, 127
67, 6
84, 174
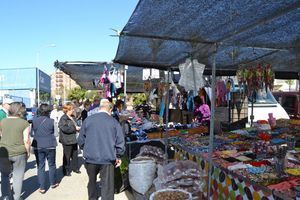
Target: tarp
85, 72
163, 33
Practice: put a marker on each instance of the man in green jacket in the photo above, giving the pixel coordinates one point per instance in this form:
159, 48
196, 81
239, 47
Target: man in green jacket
5, 106
4, 164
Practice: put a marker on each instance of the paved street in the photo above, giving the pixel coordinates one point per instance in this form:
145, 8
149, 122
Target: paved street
70, 188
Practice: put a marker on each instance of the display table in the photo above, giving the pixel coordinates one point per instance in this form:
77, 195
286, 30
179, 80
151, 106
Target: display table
229, 181
225, 184
161, 137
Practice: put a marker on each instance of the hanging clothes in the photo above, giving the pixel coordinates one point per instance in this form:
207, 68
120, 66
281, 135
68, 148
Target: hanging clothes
191, 75
115, 78
162, 108
221, 92
190, 101
105, 82
229, 88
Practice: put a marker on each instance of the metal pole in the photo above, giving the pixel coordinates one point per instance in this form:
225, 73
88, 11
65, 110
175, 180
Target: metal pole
125, 82
38, 71
167, 115
212, 122
252, 114
298, 81
194, 79
38, 87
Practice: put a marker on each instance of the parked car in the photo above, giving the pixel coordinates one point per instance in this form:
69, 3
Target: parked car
290, 101
264, 104
30, 113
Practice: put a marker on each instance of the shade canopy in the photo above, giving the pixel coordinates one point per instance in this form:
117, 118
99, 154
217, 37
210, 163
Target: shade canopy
163, 33
84, 73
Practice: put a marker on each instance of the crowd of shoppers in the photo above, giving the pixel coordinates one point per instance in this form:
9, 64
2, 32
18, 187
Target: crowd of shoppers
100, 136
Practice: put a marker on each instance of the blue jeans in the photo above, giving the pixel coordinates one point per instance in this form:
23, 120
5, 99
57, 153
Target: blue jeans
42, 155
18, 170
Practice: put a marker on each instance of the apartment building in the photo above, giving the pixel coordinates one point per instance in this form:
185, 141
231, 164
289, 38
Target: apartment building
61, 83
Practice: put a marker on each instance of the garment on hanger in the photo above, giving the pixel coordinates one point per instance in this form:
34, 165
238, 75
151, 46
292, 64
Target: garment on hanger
190, 101
105, 82
191, 75
229, 88
221, 92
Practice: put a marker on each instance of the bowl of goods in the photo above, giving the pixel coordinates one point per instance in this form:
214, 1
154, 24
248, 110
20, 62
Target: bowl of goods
171, 194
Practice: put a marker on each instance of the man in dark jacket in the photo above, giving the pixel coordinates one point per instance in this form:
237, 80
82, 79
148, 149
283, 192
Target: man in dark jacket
102, 140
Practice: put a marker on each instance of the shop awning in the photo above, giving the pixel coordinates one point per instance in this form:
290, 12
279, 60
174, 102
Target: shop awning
84, 73
162, 34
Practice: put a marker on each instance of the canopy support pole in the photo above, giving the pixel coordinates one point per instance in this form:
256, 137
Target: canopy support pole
125, 83
299, 81
212, 122
252, 106
167, 116
194, 79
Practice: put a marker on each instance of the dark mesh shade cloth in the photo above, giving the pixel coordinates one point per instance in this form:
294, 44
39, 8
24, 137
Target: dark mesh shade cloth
163, 33
85, 72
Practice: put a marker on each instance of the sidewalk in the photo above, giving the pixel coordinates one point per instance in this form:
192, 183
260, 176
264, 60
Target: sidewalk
70, 188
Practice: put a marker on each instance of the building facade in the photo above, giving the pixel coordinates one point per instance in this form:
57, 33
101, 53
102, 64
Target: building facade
61, 83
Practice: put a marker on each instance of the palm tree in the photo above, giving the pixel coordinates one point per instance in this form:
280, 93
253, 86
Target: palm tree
290, 83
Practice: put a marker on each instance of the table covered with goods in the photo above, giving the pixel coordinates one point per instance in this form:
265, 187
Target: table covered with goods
151, 172
261, 162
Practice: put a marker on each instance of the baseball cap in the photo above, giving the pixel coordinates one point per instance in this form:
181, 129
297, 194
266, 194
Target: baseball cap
7, 101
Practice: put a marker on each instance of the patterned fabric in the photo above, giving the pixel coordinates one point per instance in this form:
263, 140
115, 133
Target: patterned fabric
224, 185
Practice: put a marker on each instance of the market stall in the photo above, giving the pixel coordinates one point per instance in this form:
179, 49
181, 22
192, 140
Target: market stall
253, 163
222, 39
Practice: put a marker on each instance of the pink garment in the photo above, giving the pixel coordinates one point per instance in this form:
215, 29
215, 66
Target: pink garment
205, 110
221, 90
202, 112
105, 82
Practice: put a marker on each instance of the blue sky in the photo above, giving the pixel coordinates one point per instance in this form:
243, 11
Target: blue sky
80, 30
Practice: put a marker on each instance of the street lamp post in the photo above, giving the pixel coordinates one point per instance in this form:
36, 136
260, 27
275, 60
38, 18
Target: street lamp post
38, 71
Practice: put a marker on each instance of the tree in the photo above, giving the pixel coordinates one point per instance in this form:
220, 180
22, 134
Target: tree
44, 96
139, 98
77, 94
290, 83
91, 94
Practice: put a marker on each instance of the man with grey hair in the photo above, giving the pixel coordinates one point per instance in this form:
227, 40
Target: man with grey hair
5, 107
102, 140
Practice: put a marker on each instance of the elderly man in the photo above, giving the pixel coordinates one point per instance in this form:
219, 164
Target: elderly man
102, 140
4, 164
5, 107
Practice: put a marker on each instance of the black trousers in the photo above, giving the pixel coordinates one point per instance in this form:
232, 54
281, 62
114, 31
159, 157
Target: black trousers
70, 158
107, 181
